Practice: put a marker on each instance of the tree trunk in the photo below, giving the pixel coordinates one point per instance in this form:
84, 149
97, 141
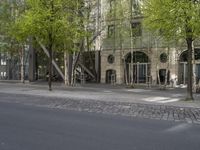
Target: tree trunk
50, 36
74, 64
194, 72
22, 65
158, 76
190, 70
66, 60
167, 69
50, 68
81, 60
125, 71
70, 69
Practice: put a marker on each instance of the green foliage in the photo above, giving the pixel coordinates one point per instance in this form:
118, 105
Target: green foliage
118, 10
8, 12
125, 15
118, 15
55, 22
177, 19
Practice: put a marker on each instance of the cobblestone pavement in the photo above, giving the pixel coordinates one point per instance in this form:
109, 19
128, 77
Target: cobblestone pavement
149, 111
144, 103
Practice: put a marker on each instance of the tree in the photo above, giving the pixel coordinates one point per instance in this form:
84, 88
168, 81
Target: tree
89, 12
120, 16
10, 10
52, 23
176, 19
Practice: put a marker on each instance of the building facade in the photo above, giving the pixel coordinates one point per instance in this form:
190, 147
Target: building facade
140, 57
123, 51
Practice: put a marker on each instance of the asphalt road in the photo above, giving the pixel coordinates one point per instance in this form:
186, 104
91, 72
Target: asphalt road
27, 127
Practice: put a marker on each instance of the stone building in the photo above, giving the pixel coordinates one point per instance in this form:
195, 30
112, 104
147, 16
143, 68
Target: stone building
123, 51
141, 58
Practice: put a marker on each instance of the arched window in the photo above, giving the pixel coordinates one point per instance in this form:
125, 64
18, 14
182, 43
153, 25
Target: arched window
138, 70
183, 66
184, 55
140, 57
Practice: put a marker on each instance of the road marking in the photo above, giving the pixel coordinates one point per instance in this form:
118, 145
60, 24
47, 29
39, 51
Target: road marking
107, 91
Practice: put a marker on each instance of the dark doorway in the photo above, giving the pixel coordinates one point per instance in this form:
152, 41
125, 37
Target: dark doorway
162, 74
110, 76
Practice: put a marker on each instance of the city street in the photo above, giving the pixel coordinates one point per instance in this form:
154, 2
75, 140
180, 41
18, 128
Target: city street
29, 122
29, 127
104, 99
99, 75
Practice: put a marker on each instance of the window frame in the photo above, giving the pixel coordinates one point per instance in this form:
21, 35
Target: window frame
136, 28
111, 31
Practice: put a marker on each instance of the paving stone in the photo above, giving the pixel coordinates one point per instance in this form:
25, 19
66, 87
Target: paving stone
164, 118
98, 103
170, 116
196, 122
188, 120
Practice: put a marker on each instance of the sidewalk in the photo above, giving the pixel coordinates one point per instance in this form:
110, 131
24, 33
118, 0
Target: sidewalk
105, 92
143, 102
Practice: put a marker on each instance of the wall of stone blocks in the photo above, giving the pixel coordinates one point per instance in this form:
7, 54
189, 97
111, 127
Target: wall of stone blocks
154, 59
117, 65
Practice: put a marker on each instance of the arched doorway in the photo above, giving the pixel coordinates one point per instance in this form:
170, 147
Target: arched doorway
110, 76
137, 68
183, 66
162, 76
